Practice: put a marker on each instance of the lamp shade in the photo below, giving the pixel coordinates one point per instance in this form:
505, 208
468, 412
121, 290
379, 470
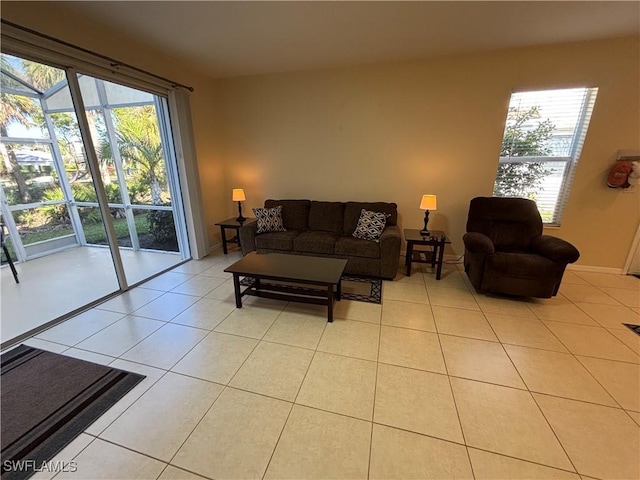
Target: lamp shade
428, 202
238, 195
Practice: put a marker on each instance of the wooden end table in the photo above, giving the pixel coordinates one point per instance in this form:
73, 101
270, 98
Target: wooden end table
436, 239
232, 224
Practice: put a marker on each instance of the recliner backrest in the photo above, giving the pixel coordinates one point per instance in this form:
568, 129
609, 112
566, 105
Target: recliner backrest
510, 223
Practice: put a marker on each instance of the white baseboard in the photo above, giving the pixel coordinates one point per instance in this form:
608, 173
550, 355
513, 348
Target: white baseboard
577, 268
588, 268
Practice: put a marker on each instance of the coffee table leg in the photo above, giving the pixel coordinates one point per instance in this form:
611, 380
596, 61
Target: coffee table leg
330, 303
236, 288
339, 290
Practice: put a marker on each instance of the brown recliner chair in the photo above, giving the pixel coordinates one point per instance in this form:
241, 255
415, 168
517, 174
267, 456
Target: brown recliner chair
505, 251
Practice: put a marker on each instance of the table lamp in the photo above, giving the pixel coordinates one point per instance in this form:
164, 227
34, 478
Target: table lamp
428, 203
238, 196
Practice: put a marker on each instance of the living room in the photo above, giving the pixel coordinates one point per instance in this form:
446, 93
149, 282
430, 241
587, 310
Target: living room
390, 132
400, 130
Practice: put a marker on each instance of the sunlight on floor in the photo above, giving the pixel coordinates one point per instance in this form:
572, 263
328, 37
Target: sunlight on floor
54, 285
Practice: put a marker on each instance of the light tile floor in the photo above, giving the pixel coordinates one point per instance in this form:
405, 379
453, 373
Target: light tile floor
437, 382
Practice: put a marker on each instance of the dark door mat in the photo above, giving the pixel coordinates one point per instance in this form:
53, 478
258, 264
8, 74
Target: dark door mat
49, 399
634, 328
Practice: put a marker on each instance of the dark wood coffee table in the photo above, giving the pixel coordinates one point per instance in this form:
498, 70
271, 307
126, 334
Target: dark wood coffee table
290, 271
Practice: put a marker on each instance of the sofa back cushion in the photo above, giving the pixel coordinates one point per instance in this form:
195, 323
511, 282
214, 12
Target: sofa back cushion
326, 216
295, 213
352, 212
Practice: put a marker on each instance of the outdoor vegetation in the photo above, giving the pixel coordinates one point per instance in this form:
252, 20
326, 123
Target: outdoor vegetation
523, 179
138, 148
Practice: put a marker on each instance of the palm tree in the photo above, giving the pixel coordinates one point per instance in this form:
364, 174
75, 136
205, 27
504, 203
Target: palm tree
21, 109
15, 108
139, 145
41, 76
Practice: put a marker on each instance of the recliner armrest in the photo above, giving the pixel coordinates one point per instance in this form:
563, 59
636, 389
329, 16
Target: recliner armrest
477, 242
247, 235
555, 249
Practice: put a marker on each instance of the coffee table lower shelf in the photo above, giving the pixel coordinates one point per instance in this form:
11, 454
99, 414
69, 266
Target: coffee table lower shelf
290, 293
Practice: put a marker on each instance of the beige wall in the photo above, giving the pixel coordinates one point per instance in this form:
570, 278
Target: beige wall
394, 132
57, 22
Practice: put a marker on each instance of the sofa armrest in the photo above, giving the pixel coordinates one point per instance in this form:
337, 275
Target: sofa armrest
477, 242
555, 249
390, 245
389, 233
247, 235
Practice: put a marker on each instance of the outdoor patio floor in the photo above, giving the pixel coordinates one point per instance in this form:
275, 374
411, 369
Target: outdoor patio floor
60, 283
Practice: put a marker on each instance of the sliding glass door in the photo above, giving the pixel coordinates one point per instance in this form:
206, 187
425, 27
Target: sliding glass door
131, 143
88, 173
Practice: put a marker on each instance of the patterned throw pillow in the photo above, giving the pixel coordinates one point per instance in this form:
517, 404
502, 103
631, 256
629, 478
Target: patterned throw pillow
269, 219
370, 225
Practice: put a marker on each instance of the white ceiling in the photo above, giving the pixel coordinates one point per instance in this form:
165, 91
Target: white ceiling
230, 39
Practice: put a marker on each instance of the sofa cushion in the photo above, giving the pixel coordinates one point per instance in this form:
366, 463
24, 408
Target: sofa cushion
370, 225
295, 213
313, 241
356, 247
352, 213
326, 216
269, 219
276, 240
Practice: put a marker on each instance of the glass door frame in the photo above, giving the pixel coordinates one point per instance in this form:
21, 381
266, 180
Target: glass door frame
161, 104
94, 168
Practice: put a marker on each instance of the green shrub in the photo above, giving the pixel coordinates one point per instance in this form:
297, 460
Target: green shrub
161, 225
55, 213
84, 192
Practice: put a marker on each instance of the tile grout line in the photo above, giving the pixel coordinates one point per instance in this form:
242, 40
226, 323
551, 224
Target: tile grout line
453, 396
375, 385
293, 404
540, 409
555, 434
224, 389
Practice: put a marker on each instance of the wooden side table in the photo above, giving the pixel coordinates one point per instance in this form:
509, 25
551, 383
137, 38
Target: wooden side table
232, 224
436, 239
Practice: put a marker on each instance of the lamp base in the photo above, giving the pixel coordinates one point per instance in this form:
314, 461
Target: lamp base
240, 218
424, 231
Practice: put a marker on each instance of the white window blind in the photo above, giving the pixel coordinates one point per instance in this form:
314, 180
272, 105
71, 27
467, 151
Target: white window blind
542, 141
